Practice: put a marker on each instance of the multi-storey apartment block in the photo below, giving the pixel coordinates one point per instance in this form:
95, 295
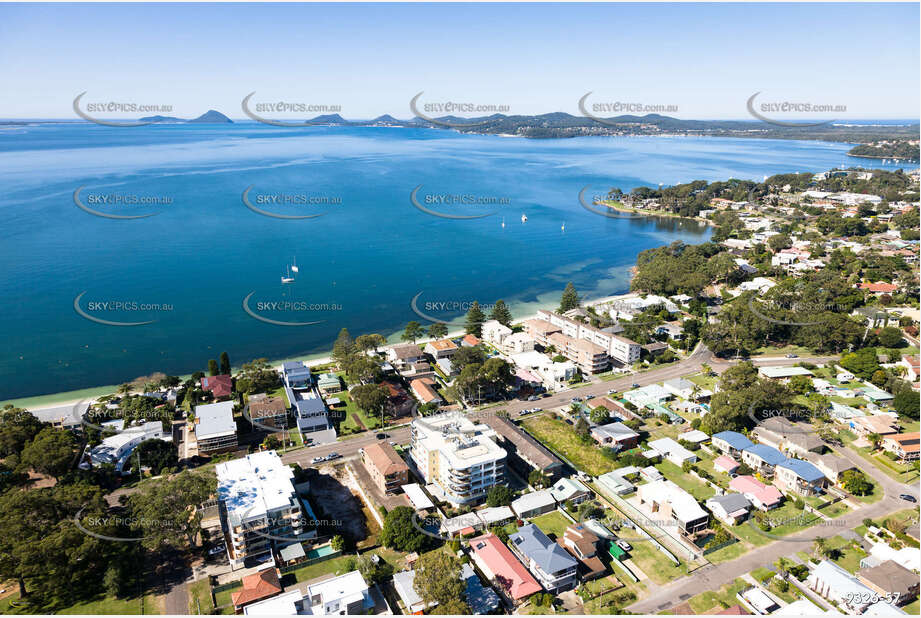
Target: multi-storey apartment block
620, 349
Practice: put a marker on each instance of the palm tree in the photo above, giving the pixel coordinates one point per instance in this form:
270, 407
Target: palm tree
123, 389
820, 547
875, 439
783, 567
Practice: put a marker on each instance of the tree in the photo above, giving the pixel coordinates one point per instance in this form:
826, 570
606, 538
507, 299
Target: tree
364, 369
783, 566
51, 452
438, 330
475, 319
413, 331
402, 532
371, 398
582, 431
569, 299
168, 511
158, 455
371, 341
212, 367
500, 313
875, 439
600, 415
499, 495
438, 579
820, 547
257, 376
779, 241
538, 479
906, 402
862, 363
17, 428
271, 442
344, 347
225, 364
465, 355
373, 572
337, 542
890, 337
856, 482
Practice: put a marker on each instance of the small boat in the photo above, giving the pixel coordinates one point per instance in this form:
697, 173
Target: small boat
287, 278
524, 217
563, 227
503, 221
294, 266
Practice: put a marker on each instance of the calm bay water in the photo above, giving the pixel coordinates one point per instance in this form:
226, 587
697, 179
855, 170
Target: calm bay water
362, 262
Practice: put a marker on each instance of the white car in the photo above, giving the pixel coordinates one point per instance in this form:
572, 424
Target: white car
216, 550
624, 545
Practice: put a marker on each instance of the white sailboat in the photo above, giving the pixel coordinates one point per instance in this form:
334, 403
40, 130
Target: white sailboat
524, 217
287, 278
294, 266
563, 227
503, 221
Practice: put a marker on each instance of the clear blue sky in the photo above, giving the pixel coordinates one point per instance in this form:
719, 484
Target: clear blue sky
372, 58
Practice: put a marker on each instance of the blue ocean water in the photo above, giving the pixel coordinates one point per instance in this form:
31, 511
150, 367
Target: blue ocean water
359, 265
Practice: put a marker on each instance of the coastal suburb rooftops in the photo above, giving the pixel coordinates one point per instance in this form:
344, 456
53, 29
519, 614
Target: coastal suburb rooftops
499, 564
214, 420
254, 485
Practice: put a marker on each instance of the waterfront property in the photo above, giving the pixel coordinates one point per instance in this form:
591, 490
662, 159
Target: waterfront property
117, 449
257, 502
215, 428
295, 374
458, 456
220, 387
620, 349
268, 411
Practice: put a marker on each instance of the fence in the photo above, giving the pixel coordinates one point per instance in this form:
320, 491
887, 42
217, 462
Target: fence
293, 567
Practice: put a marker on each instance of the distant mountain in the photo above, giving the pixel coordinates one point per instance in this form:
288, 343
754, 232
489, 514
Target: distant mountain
329, 119
388, 119
212, 117
162, 119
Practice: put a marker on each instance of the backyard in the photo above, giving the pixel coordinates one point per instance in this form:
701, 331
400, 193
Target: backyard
553, 523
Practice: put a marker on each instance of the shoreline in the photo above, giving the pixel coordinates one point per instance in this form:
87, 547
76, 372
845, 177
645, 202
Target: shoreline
69, 398
648, 213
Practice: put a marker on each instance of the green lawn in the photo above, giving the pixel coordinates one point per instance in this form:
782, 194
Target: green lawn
334, 566
730, 552
561, 438
724, 597
224, 598
903, 473
703, 381
554, 523
700, 490
200, 597
792, 593
99, 605
913, 608
795, 521
778, 351
762, 574
654, 563
348, 412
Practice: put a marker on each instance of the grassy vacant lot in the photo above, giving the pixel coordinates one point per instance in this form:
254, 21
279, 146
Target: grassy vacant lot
552, 523
850, 555
700, 490
730, 552
348, 413
654, 563
794, 517
913, 608
224, 599
719, 599
561, 438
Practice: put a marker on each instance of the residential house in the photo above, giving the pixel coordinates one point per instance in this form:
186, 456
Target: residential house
295, 374
570, 490
651, 394
470, 341
762, 458
780, 433
387, 469
494, 515
615, 434
664, 499
215, 428
582, 543
221, 387
726, 464
444, 348
502, 568
835, 584
256, 587
403, 584
763, 497
799, 476
268, 411
729, 508
672, 451
329, 383
553, 566
782, 372
494, 332
882, 424
614, 483
830, 465
892, 580
117, 449
424, 390
905, 446
685, 389
63, 417
346, 594
403, 355
879, 288
694, 436
911, 364
730, 443
533, 504
516, 343
290, 603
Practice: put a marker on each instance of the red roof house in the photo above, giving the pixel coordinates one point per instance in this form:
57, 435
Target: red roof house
879, 287
256, 587
220, 386
501, 566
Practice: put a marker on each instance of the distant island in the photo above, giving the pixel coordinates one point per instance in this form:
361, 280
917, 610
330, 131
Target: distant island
209, 117
900, 150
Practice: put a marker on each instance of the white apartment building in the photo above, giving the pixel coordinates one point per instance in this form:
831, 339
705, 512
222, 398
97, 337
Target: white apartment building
257, 501
117, 449
619, 348
457, 455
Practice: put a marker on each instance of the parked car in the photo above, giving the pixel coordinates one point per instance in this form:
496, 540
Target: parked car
792, 356
635, 385
576, 399
217, 549
533, 398
908, 497
537, 410
624, 545
316, 460
392, 443
611, 391
333, 455
382, 436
